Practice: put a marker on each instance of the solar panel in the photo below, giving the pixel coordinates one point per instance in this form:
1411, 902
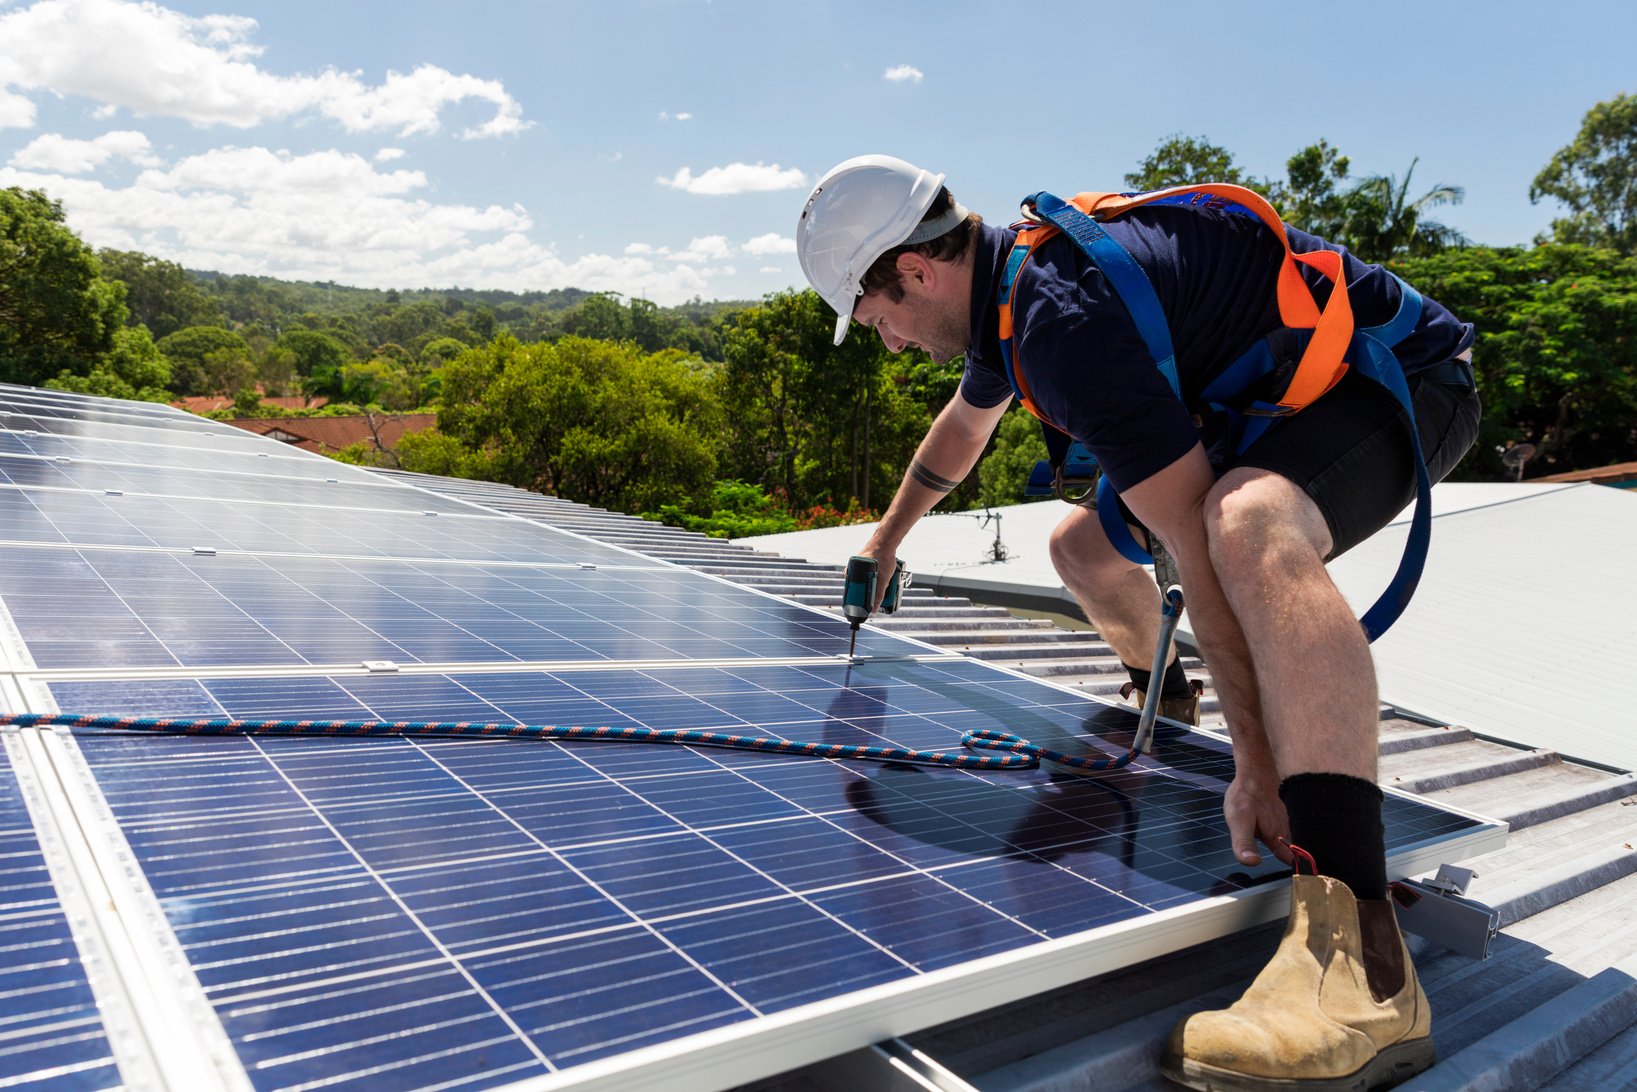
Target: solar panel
427, 913
50, 1029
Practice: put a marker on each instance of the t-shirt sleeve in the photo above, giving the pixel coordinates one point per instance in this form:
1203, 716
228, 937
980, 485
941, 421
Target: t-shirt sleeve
983, 384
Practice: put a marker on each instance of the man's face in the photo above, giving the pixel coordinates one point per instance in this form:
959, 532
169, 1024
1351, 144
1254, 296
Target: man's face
926, 318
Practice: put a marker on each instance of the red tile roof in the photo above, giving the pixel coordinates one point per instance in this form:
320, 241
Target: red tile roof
326, 434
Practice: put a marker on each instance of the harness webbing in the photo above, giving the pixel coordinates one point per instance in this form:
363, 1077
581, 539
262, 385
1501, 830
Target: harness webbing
1323, 362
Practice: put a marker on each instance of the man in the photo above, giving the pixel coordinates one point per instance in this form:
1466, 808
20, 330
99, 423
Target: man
888, 247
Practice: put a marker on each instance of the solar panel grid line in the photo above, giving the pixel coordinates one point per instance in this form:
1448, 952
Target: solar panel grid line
181, 1034
260, 502
81, 472
705, 834
60, 1021
497, 1009
79, 888
356, 669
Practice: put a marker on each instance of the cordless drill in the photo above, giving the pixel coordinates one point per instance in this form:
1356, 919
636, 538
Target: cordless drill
858, 596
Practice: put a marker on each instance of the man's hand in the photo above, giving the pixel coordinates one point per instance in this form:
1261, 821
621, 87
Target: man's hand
886, 563
1254, 812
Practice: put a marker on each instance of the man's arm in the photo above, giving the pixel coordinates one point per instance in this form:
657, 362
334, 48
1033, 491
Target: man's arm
1171, 503
945, 457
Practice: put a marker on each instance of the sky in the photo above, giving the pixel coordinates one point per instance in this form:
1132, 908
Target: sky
663, 148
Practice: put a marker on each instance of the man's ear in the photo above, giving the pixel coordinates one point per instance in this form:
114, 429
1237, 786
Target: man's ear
918, 268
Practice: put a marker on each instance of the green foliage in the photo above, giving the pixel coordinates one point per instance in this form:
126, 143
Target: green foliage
1310, 198
132, 369
737, 510
1184, 160
1596, 177
160, 294
187, 351
1381, 220
1004, 472
595, 421
57, 314
821, 423
1556, 355
315, 351
433, 452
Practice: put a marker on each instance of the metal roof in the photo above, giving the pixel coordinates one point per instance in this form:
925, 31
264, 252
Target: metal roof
1555, 1006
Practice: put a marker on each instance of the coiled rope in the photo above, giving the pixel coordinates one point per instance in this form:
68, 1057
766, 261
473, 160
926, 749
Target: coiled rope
1019, 754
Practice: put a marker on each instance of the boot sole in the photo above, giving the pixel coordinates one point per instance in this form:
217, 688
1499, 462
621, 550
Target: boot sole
1391, 1065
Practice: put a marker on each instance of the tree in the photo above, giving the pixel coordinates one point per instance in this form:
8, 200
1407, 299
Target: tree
1596, 177
57, 313
1004, 472
1381, 221
1309, 198
821, 423
160, 294
1556, 355
228, 371
132, 369
1183, 160
593, 421
315, 351
186, 351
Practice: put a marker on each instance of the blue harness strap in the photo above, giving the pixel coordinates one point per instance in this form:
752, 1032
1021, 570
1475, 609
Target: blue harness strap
1370, 353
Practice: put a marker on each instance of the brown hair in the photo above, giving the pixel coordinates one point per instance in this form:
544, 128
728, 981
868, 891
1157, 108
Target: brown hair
951, 246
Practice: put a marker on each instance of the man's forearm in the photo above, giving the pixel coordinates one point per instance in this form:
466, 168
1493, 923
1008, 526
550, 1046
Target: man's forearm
942, 461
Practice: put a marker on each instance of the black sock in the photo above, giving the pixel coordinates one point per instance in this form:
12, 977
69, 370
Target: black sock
1337, 819
1174, 684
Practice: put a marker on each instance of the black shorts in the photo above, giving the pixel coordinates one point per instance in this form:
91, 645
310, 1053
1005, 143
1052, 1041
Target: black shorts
1350, 450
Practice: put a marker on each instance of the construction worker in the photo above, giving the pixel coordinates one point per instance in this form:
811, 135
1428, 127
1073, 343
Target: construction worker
888, 247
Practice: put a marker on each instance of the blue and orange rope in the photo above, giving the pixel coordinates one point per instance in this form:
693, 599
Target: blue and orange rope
1019, 754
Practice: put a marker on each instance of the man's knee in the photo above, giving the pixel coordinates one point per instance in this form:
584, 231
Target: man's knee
1079, 545
1255, 519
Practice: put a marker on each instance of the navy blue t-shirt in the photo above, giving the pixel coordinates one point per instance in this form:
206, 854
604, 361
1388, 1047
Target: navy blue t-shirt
1214, 271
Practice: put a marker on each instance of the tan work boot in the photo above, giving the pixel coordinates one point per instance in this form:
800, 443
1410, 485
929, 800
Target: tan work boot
1184, 709
1337, 1007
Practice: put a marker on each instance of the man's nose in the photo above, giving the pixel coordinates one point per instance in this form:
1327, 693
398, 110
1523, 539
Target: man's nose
894, 343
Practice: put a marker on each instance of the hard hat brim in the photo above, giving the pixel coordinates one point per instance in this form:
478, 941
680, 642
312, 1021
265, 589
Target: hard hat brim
842, 322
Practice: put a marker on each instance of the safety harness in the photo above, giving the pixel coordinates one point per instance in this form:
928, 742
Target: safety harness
1329, 341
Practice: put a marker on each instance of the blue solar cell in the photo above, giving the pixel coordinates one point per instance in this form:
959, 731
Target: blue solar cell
50, 1029
610, 895
304, 483
96, 519
166, 609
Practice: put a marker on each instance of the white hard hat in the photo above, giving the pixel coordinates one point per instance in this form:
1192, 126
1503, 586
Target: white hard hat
860, 210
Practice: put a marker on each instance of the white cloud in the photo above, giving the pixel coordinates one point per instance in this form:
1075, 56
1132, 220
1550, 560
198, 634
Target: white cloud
334, 216
736, 178
771, 243
665, 115
904, 73
770, 269
53, 152
703, 248
159, 62
387, 155
339, 175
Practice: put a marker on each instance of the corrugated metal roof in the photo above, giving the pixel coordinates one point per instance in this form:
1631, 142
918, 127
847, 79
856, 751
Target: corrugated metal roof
1554, 1007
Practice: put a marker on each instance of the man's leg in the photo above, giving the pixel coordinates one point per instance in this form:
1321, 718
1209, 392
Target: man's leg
1123, 602
1339, 1001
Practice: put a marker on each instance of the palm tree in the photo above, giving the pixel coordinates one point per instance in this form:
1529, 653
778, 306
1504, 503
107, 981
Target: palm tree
1381, 222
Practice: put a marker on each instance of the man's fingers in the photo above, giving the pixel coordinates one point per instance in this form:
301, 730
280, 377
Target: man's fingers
1242, 833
